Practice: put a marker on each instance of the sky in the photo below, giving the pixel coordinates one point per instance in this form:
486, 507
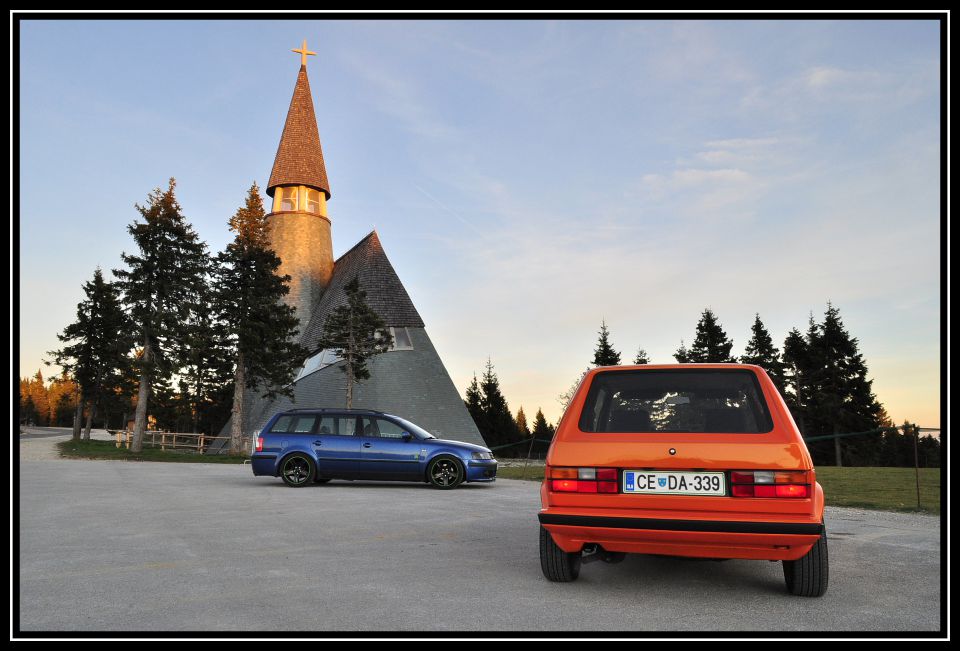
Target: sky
528, 179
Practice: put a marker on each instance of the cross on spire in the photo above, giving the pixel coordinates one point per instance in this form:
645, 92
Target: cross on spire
303, 52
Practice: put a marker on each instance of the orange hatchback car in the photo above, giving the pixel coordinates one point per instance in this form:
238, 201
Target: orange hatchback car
682, 460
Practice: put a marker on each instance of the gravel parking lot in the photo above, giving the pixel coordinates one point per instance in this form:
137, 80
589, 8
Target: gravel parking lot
122, 546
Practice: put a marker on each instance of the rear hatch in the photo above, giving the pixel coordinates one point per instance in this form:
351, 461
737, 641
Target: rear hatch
681, 442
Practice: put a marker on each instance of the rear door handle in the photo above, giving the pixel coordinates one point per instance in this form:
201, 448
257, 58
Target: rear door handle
368, 445
318, 442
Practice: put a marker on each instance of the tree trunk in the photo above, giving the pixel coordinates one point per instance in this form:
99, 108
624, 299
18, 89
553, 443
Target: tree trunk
140, 426
77, 418
92, 407
836, 446
236, 414
349, 385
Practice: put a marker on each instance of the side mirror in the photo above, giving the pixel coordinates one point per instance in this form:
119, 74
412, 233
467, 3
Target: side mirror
406, 436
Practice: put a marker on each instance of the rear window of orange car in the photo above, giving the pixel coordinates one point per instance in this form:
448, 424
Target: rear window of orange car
676, 400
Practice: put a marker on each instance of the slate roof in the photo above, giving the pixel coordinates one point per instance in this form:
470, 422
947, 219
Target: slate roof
412, 384
385, 293
299, 158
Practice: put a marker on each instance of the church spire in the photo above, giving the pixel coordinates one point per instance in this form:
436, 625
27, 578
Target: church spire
299, 158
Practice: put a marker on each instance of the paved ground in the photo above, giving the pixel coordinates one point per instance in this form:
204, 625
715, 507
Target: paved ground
109, 545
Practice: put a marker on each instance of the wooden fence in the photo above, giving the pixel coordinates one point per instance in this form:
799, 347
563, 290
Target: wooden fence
174, 440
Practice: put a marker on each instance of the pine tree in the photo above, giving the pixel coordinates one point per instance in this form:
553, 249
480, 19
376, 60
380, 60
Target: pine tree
98, 355
682, 355
522, 428
474, 403
642, 357
605, 355
355, 332
797, 368
711, 344
37, 391
541, 429
761, 352
64, 397
841, 397
205, 363
501, 427
260, 329
170, 265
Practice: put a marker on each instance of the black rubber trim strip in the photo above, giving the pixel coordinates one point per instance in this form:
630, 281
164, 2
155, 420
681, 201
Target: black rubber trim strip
716, 526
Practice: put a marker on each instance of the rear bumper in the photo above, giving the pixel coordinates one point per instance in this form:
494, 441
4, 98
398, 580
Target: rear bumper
678, 537
264, 464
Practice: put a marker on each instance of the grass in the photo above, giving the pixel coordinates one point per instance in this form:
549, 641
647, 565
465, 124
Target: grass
885, 489
109, 450
889, 489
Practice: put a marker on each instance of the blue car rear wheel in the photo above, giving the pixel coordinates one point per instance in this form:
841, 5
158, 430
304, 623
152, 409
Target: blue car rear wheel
297, 470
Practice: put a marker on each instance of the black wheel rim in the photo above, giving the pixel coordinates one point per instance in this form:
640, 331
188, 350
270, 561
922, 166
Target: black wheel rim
296, 470
445, 472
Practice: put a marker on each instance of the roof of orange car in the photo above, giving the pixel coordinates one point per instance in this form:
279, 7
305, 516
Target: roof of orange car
637, 367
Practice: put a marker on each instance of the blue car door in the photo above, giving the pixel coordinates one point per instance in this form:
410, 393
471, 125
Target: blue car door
336, 446
386, 453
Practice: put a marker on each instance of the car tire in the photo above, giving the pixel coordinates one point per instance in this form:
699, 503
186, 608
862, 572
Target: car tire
808, 575
557, 565
297, 470
445, 473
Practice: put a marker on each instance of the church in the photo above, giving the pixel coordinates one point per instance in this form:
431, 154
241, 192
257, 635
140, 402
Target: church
410, 379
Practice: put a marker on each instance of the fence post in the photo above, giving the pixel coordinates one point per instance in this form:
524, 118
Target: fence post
118, 438
200, 444
174, 444
916, 462
163, 440
129, 434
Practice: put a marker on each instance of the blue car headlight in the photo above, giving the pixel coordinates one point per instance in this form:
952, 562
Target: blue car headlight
482, 455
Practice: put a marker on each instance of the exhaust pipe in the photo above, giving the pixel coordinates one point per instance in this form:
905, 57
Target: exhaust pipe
593, 552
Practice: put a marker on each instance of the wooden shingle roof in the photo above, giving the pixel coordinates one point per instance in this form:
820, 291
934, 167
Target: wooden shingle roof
386, 295
299, 158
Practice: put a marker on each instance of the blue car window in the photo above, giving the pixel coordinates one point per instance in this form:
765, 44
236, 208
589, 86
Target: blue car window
346, 426
327, 425
304, 424
282, 424
388, 429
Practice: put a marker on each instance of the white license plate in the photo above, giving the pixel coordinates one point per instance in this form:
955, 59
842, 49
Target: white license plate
674, 483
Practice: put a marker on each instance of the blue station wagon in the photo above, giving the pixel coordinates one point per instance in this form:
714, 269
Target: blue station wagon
305, 446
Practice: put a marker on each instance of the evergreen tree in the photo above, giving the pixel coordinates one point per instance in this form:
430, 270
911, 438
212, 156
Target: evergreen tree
522, 428
28, 411
501, 427
355, 332
64, 396
761, 352
841, 399
98, 354
37, 391
206, 364
642, 357
169, 266
682, 355
605, 355
797, 368
711, 344
474, 405
541, 429
260, 329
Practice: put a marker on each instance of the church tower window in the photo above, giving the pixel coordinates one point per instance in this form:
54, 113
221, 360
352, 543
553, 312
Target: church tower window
313, 201
288, 198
